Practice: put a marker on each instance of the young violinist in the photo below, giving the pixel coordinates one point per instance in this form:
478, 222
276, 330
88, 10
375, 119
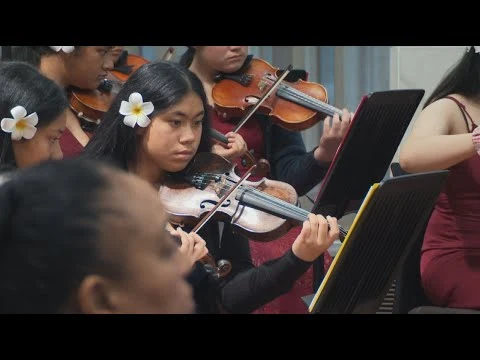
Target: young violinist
154, 128
289, 160
78, 237
33, 117
72, 67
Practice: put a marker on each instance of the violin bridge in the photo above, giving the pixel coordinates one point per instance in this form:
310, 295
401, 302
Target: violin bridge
220, 187
262, 84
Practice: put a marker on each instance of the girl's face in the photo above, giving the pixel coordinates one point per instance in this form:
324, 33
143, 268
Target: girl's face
172, 138
43, 146
151, 272
153, 278
88, 66
226, 59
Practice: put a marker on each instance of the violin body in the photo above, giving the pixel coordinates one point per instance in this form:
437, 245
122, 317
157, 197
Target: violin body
134, 62
187, 204
295, 105
91, 105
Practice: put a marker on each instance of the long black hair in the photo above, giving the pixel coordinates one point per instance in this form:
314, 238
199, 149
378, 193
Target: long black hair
50, 220
22, 84
33, 54
463, 78
164, 84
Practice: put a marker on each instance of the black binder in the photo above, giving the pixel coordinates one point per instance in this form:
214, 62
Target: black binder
389, 220
364, 156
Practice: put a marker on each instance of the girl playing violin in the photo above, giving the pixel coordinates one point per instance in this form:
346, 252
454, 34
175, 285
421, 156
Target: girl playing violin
156, 125
33, 116
289, 160
80, 67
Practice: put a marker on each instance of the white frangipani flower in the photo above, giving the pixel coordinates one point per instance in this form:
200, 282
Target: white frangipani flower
66, 49
136, 111
21, 125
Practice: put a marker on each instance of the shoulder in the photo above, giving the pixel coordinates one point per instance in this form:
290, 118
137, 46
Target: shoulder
444, 113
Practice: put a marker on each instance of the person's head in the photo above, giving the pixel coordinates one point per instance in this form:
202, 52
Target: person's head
175, 127
32, 116
77, 236
463, 78
225, 59
83, 67
115, 53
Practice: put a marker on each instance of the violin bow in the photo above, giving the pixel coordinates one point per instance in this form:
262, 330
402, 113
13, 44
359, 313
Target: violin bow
168, 54
264, 97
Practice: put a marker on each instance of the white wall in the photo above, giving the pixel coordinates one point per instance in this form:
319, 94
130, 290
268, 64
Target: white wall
420, 67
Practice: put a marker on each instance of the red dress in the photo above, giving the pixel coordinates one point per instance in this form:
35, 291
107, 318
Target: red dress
450, 262
290, 303
69, 144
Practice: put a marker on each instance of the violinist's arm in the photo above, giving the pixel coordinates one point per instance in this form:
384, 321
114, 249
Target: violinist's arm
291, 163
248, 287
432, 144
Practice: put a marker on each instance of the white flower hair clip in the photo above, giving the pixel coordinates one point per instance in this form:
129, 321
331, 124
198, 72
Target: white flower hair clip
21, 125
136, 111
65, 49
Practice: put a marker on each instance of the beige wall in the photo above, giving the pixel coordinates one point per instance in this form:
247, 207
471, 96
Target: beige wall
420, 67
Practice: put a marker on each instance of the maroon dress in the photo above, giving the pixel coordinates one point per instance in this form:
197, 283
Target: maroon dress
290, 303
450, 260
70, 145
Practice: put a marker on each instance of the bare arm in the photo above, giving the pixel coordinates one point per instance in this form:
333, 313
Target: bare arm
433, 143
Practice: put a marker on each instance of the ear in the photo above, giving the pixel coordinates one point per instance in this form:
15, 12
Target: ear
96, 296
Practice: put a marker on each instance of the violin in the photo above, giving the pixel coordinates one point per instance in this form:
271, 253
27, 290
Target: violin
133, 62
91, 105
262, 211
294, 106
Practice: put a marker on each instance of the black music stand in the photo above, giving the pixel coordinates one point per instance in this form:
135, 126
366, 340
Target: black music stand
389, 220
6, 53
365, 154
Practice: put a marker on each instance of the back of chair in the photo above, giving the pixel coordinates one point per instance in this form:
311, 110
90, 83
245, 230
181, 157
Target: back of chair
409, 293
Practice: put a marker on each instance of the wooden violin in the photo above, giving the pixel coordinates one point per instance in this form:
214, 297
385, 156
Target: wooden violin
262, 211
294, 106
133, 62
91, 105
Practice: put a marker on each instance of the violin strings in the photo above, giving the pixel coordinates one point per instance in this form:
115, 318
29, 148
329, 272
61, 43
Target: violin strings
268, 199
304, 97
